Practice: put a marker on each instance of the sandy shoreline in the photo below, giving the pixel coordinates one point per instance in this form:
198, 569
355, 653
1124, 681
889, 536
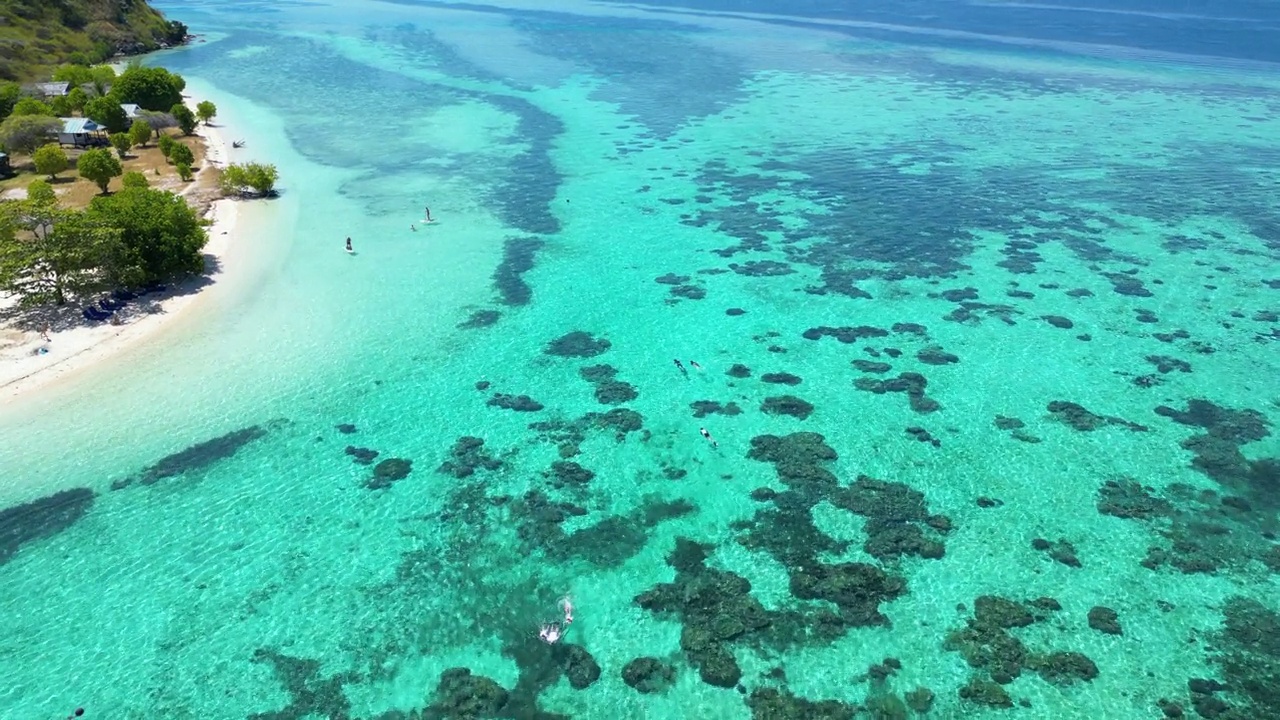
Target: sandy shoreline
76, 344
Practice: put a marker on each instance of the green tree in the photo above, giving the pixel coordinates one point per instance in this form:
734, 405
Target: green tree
206, 111
41, 192
166, 143
103, 77
152, 88
134, 179
186, 119
182, 155
249, 179
32, 106
99, 166
161, 234
60, 106
61, 254
75, 74
184, 171
25, 133
106, 111
121, 142
50, 160
77, 99
10, 93
140, 132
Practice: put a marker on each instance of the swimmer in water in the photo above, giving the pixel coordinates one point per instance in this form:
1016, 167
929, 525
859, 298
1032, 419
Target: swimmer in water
349, 245
710, 439
681, 366
694, 364
79, 712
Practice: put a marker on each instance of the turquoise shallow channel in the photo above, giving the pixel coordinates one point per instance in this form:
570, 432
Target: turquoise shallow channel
980, 304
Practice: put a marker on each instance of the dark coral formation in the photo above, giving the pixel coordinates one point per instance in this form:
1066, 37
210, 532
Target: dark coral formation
1059, 321
934, 355
844, 334
1124, 284
786, 405
578, 344
689, 292
568, 435
609, 390
923, 436
459, 694
361, 456
672, 279
1165, 364
972, 313
781, 378
1009, 423
309, 694
1061, 551
738, 370
345, 428
1217, 450
519, 403
605, 544
774, 704
480, 319
871, 366
1105, 620
468, 455
565, 473
1247, 653
42, 518
197, 457
703, 408
1126, 498
1080, 418
648, 675
988, 645
389, 472
518, 255
785, 530
715, 607
911, 383
897, 518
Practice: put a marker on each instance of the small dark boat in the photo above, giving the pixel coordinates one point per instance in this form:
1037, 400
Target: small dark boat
237, 143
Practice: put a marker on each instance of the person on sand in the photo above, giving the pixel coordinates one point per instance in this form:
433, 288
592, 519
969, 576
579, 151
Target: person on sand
45, 332
710, 439
349, 245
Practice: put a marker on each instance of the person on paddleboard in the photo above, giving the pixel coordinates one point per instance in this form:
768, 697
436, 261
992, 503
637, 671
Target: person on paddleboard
349, 245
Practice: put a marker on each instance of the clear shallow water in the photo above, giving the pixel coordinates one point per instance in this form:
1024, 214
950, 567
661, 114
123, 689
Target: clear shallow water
790, 169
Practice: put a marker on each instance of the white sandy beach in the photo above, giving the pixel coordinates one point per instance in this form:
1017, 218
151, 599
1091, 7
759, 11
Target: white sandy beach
75, 344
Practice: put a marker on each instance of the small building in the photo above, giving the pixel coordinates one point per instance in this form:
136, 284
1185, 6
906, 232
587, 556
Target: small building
81, 132
5, 170
49, 89
130, 110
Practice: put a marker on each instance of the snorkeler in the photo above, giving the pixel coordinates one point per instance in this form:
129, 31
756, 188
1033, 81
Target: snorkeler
694, 364
413, 227
681, 366
710, 439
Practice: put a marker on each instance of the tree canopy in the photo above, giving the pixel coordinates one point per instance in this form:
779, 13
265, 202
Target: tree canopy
25, 133
32, 106
151, 88
161, 234
99, 166
249, 179
50, 160
206, 111
61, 252
106, 111
140, 132
186, 119
182, 155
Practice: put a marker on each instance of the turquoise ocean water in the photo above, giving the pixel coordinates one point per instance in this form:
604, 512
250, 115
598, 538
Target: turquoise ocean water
984, 303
